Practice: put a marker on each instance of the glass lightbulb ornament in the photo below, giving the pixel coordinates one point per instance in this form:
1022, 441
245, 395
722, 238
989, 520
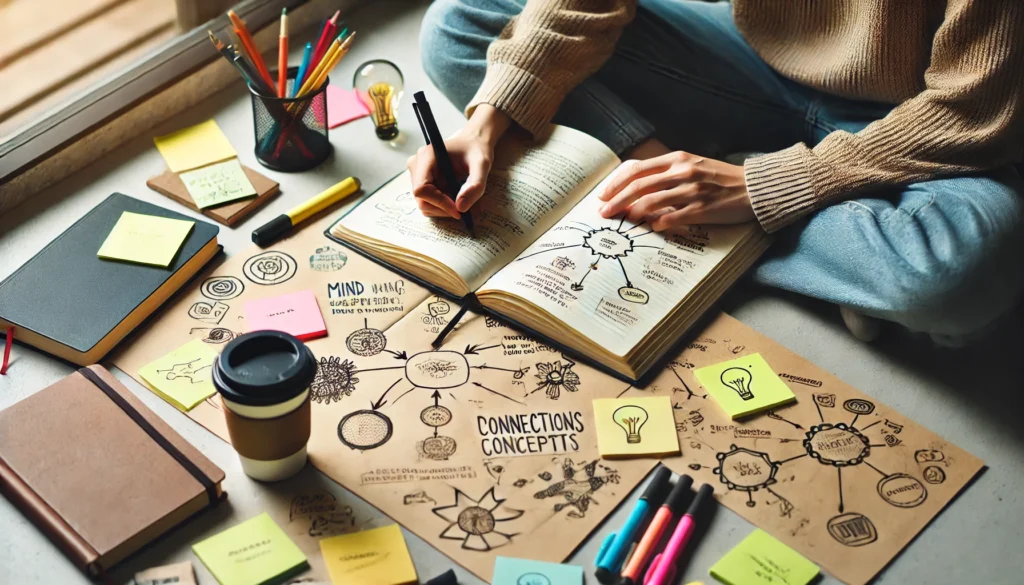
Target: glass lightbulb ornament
380, 85
739, 380
631, 419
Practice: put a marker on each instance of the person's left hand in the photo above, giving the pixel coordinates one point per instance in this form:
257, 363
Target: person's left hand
676, 189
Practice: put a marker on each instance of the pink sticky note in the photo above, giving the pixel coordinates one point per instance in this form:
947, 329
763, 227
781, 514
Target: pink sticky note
295, 313
343, 105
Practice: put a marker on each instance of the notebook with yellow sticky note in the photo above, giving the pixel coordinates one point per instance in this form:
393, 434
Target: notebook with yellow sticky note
371, 557
744, 386
182, 377
145, 239
635, 427
255, 552
760, 559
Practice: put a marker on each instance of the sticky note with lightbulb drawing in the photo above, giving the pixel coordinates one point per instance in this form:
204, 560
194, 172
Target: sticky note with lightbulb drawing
635, 427
744, 386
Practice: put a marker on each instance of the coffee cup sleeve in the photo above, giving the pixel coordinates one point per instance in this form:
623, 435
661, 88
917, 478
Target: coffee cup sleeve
269, 439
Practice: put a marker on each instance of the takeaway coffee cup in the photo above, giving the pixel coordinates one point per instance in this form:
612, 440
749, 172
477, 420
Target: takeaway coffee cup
263, 379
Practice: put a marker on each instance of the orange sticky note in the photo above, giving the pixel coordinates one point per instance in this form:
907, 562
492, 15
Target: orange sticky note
295, 313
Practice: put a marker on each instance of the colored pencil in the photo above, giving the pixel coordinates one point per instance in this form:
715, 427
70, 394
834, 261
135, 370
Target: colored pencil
282, 56
249, 47
323, 43
307, 54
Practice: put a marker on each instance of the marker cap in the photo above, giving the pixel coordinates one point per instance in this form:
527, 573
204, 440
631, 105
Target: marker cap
658, 486
679, 494
272, 231
703, 494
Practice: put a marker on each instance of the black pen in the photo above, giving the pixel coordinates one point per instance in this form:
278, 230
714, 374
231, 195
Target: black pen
432, 136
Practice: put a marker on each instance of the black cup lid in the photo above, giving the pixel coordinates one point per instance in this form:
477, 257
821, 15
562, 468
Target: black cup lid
264, 367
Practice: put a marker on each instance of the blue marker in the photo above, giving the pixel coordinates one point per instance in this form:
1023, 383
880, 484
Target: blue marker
616, 545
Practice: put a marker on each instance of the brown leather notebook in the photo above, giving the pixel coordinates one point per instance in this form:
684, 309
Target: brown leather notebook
99, 473
170, 184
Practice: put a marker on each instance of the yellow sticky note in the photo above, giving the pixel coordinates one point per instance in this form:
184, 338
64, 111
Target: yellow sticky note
145, 239
634, 427
194, 147
254, 552
218, 184
370, 557
761, 560
744, 385
182, 377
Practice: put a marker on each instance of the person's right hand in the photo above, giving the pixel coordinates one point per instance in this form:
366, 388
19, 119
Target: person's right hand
472, 151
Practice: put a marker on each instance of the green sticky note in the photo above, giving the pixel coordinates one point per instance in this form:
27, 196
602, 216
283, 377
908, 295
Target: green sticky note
744, 386
761, 560
182, 377
145, 239
256, 552
511, 571
218, 184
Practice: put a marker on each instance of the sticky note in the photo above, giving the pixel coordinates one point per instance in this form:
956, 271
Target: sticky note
194, 147
295, 313
218, 184
371, 557
145, 239
176, 574
761, 560
512, 571
634, 427
744, 386
254, 552
343, 106
182, 377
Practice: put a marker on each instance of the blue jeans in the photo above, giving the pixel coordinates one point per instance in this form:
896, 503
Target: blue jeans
942, 257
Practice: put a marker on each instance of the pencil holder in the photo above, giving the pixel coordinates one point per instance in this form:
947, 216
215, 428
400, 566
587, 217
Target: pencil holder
291, 133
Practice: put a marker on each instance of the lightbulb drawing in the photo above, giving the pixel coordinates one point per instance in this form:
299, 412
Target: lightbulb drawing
631, 419
380, 85
739, 380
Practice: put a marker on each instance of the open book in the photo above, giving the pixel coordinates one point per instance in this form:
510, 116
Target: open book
543, 258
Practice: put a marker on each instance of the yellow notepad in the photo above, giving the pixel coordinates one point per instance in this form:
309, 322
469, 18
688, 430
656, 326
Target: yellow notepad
370, 557
761, 560
218, 184
182, 377
635, 427
744, 386
194, 147
145, 239
254, 552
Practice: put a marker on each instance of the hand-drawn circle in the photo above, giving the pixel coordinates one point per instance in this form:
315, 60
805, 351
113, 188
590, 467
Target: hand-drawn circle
365, 429
902, 490
634, 295
925, 455
437, 370
269, 268
837, 445
934, 474
436, 416
366, 342
438, 448
852, 529
859, 406
825, 400
476, 520
208, 313
745, 470
222, 288
533, 579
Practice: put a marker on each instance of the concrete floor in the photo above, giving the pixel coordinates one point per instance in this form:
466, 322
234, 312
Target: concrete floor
972, 397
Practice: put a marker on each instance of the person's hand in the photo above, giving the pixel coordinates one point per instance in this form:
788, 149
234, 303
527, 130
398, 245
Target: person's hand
472, 151
676, 189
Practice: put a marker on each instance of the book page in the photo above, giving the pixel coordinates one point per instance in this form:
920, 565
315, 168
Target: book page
530, 186
609, 279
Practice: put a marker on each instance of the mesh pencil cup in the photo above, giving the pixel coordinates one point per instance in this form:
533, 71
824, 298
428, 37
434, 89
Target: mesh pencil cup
291, 133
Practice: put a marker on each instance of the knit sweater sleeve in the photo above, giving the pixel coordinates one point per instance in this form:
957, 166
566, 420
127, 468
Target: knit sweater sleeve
968, 118
545, 52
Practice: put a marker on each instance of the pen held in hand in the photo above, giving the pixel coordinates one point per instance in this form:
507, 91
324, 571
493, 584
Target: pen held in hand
432, 136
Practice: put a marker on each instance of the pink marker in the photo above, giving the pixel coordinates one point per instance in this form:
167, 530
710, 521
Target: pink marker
663, 568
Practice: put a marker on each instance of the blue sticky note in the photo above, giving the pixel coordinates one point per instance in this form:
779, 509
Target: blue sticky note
510, 571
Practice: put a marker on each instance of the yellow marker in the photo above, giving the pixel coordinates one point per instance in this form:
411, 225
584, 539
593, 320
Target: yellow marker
278, 227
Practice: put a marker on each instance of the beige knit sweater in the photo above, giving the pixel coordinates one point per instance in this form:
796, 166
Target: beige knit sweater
960, 89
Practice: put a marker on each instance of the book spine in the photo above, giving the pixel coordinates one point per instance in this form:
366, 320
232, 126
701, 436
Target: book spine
48, 521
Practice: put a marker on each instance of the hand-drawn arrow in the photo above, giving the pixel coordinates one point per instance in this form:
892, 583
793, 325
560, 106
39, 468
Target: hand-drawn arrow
399, 355
486, 367
380, 401
479, 385
773, 415
475, 348
436, 396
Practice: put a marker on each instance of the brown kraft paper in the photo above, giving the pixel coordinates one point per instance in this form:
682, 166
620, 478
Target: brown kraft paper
269, 439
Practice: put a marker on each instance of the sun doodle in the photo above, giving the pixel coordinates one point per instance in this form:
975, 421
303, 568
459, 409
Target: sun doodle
554, 377
477, 522
334, 379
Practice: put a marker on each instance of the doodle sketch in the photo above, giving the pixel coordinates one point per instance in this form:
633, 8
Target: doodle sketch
269, 268
478, 523
191, 371
578, 486
214, 335
631, 419
554, 377
365, 429
222, 288
208, 313
334, 379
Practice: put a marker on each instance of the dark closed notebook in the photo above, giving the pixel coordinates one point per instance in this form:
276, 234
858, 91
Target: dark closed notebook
69, 302
99, 473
